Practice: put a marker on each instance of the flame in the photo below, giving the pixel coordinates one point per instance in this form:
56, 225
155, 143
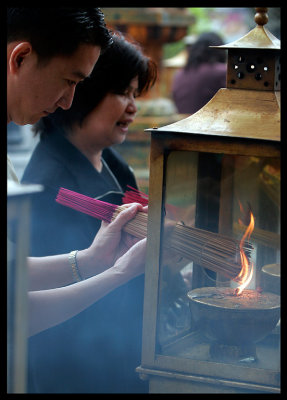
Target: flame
246, 273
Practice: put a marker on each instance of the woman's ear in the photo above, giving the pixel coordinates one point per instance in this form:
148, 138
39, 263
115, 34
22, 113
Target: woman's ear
19, 55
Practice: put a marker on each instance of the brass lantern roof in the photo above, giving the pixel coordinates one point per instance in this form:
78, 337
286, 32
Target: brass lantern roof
258, 38
235, 112
243, 112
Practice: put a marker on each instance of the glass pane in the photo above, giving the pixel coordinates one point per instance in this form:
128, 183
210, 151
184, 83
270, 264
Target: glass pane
213, 194
176, 271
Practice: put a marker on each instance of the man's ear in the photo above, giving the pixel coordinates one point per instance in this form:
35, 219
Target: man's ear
19, 55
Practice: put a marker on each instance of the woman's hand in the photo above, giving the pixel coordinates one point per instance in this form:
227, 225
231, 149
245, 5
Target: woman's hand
110, 243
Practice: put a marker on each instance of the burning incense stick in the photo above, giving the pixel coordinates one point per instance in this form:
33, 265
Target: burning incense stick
211, 250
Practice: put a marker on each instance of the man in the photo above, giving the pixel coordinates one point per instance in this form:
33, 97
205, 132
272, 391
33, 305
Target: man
49, 51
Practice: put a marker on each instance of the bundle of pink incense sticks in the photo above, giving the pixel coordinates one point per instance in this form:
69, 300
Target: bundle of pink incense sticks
87, 205
211, 250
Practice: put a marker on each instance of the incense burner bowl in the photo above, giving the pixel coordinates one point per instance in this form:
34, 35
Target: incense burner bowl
270, 278
231, 319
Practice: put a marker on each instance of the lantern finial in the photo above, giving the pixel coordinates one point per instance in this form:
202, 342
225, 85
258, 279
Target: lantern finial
261, 16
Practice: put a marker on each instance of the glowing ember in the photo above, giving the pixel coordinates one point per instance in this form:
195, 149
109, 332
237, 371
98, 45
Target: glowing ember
245, 275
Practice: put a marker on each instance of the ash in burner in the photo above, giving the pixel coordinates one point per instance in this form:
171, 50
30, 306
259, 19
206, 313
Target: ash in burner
227, 298
211, 295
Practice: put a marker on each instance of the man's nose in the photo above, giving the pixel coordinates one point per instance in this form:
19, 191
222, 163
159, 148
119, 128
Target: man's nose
66, 100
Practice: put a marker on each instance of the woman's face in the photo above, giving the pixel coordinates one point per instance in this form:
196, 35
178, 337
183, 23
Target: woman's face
108, 123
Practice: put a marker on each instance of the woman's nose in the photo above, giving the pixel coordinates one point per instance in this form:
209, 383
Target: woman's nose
132, 107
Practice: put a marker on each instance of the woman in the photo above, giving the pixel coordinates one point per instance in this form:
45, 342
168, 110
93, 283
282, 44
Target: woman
104, 349
203, 75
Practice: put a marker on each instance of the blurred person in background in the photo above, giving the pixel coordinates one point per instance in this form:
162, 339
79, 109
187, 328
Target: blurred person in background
203, 75
99, 349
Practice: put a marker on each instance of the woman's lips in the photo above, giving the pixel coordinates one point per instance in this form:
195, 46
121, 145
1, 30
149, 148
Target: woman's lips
124, 125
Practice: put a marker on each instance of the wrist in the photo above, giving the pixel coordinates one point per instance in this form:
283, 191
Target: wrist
124, 268
72, 257
120, 273
88, 264
85, 263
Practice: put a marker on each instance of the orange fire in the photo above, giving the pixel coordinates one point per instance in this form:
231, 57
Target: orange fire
245, 275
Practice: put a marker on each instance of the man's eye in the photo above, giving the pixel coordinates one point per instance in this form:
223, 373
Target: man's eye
71, 83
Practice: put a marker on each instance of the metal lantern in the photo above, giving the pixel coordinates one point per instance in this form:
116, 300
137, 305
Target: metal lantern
205, 331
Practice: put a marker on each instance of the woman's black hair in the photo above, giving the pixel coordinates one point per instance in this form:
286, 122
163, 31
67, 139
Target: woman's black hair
113, 72
200, 52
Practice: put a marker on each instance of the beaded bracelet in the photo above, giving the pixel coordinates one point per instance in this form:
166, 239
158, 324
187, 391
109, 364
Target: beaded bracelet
74, 265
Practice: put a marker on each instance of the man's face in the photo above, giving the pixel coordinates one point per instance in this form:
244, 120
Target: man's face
35, 90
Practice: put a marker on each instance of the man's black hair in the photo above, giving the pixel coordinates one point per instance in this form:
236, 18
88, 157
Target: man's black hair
54, 31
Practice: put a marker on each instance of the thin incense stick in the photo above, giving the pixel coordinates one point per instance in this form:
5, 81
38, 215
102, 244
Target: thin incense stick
134, 195
261, 236
208, 249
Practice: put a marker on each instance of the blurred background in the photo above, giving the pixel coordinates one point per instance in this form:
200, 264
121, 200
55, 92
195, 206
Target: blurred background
166, 35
